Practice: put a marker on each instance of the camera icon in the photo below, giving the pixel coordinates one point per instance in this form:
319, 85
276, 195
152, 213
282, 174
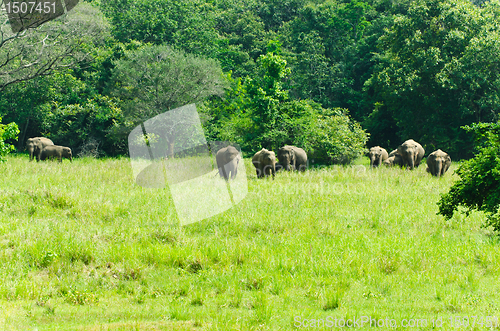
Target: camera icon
170, 149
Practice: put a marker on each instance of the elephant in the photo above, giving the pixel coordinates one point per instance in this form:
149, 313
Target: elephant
292, 158
35, 146
411, 153
228, 159
377, 156
265, 163
438, 163
394, 159
57, 151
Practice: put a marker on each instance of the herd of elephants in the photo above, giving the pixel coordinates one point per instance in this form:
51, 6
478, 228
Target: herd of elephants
43, 148
409, 154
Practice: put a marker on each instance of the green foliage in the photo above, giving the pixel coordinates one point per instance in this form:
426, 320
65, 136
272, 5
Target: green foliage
153, 79
217, 112
186, 24
479, 184
337, 138
329, 52
95, 119
329, 136
67, 110
265, 93
438, 70
259, 114
406, 69
7, 132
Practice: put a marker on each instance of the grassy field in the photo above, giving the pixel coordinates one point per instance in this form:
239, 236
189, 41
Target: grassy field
84, 248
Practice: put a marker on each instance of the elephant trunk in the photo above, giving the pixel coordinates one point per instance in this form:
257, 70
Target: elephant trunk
30, 150
411, 160
438, 168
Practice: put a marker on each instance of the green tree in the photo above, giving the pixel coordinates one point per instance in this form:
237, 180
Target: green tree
326, 41
265, 93
438, 71
95, 120
154, 79
26, 103
7, 132
186, 24
56, 45
479, 185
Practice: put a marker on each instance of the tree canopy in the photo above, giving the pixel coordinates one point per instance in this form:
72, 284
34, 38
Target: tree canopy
418, 69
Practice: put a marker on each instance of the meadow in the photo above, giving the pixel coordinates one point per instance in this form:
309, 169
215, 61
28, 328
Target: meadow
82, 247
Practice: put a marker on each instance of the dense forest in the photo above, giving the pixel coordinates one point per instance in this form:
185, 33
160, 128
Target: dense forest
331, 76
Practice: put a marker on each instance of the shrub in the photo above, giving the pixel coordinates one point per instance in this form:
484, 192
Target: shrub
479, 184
7, 131
78, 125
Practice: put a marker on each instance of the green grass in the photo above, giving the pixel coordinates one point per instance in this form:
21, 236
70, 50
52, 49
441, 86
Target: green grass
84, 248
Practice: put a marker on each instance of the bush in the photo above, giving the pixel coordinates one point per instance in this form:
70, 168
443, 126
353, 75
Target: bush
327, 135
336, 138
7, 131
479, 184
78, 125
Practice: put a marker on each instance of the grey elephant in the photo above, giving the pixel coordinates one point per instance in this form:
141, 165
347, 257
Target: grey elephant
35, 146
377, 156
56, 151
438, 162
292, 158
412, 153
265, 163
228, 159
394, 159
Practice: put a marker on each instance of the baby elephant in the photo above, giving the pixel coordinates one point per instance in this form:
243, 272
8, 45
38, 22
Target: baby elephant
56, 151
394, 159
438, 163
377, 156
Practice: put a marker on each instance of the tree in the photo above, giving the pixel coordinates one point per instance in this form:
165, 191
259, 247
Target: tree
185, 24
330, 46
438, 70
154, 79
7, 132
94, 120
265, 93
62, 43
28, 103
479, 184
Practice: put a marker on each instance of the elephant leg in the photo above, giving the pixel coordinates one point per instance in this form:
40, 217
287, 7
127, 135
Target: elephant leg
222, 172
234, 171
267, 170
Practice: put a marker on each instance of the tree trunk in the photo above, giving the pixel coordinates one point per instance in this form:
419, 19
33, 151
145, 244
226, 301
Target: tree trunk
20, 141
